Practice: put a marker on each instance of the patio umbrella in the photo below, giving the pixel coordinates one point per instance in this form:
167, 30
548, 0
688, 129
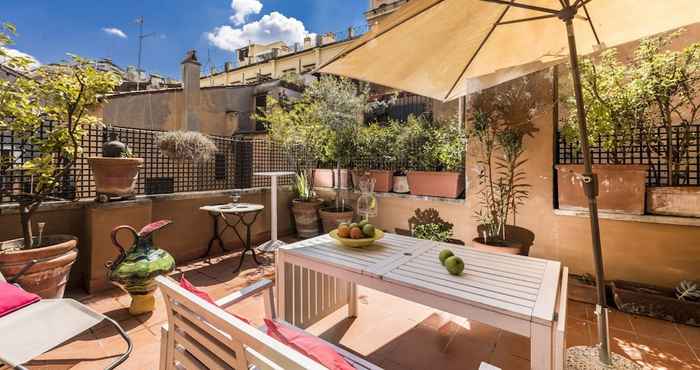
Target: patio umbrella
444, 49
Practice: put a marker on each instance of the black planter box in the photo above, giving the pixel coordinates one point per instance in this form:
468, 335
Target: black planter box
656, 302
160, 185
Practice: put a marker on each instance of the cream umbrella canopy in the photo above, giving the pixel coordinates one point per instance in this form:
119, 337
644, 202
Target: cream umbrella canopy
445, 49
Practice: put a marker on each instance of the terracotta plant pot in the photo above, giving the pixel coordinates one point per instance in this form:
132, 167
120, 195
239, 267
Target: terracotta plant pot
654, 301
115, 176
507, 247
401, 185
306, 217
674, 201
47, 277
621, 187
331, 218
383, 180
323, 178
436, 184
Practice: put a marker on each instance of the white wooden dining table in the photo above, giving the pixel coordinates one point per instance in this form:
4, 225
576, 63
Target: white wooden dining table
522, 295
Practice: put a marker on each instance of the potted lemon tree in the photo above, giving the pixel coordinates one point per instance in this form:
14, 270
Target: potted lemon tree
50, 112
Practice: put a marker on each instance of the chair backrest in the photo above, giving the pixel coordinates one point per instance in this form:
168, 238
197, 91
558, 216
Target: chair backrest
2, 278
203, 336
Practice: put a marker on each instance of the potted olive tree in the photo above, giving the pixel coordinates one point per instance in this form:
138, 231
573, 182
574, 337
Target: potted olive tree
295, 127
50, 112
614, 106
436, 152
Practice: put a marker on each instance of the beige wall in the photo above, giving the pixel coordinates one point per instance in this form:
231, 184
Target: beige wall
186, 239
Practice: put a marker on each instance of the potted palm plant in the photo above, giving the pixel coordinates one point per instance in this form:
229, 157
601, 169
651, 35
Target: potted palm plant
49, 112
305, 206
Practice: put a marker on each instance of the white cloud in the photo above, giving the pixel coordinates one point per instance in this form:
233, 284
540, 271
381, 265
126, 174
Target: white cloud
114, 32
16, 53
244, 8
271, 27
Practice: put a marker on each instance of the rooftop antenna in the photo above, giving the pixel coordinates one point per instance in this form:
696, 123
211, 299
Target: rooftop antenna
210, 67
139, 20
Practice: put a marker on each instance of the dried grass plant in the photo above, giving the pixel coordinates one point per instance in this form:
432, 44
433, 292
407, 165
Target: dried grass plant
186, 146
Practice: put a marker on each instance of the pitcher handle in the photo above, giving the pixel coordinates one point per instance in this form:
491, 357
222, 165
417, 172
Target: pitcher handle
121, 248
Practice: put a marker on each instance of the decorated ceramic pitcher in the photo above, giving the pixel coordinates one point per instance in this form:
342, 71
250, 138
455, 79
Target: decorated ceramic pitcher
136, 268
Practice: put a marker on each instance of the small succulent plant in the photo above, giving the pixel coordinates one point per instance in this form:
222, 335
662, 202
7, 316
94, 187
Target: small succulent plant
688, 291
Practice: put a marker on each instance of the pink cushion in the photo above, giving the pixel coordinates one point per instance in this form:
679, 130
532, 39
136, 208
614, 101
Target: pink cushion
13, 298
185, 284
308, 345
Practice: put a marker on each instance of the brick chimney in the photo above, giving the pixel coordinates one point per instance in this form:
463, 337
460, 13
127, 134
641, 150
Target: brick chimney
190, 89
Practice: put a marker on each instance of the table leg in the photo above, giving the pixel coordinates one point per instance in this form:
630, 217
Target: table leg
352, 300
215, 237
247, 246
540, 347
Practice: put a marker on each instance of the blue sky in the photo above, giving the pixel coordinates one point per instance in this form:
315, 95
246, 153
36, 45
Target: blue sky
48, 29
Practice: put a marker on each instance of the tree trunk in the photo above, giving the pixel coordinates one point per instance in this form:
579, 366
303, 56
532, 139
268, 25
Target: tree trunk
25, 216
337, 189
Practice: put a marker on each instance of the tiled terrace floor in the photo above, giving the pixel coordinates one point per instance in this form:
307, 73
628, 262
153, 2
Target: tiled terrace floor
391, 332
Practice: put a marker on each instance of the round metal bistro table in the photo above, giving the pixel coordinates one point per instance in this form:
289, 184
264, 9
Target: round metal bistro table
273, 243
232, 215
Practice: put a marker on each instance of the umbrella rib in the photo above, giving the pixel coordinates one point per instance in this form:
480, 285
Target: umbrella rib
500, 18
590, 22
527, 19
524, 6
346, 52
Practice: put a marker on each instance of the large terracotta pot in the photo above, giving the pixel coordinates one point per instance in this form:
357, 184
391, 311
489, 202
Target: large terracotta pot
507, 247
331, 218
47, 277
306, 217
674, 201
621, 187
136, 268
436, 184
115, 176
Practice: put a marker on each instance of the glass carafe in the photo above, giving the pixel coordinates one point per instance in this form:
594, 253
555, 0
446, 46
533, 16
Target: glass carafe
367, 202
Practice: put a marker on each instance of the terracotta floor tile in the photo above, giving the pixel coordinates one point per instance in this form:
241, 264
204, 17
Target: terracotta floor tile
620, 320
580, 311
648, 327
514, 344
421, 348
660, 354
691, 334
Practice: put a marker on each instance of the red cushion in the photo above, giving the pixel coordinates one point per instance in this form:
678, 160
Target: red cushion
185, 284
13, 298
308, 345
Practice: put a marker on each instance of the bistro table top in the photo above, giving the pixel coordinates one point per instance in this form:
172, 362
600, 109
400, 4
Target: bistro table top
233, 208
523, 286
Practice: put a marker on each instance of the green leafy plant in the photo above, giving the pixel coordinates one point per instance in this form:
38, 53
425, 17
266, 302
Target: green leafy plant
430, 145
375, 145
63, 95
688, 291
186, 145
302, 187
501, 120
431, 231
613, 105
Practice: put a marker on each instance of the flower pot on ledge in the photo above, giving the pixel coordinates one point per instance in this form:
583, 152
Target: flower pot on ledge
383, 179
622, 188
436, 184
329, 178
115, 177
674, 201
332, 217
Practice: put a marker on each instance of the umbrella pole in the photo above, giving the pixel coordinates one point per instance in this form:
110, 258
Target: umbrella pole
590, 187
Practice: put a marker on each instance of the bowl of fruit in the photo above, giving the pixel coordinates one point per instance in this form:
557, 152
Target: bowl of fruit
356, 235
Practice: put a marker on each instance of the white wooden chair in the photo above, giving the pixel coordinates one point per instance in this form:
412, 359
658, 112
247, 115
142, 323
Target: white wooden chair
200, 335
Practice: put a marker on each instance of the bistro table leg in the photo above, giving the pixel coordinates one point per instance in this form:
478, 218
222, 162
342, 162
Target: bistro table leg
248, 242
215, 237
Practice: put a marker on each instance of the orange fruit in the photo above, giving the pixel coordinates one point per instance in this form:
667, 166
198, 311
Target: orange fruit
344, 231
356, 233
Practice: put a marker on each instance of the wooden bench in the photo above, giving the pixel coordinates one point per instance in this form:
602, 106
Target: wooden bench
200, 335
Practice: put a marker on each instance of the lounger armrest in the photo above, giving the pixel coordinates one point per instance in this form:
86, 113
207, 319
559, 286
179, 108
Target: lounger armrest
244, 293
